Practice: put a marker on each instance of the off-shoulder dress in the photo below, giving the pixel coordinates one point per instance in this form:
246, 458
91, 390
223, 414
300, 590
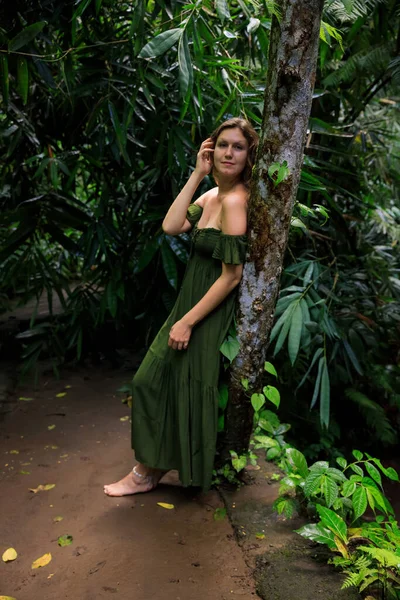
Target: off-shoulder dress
175, 392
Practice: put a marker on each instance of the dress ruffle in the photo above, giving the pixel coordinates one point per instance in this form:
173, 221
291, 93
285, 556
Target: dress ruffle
231, 249
194, 213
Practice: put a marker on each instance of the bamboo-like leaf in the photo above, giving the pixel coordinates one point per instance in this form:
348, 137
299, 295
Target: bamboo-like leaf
222, 9
5, 81
121, 138
23, 78
161, 43
185, 66
325, 396
284, 318
352, 357
317, 382
317, 354
296, 327
82, 6
25, 36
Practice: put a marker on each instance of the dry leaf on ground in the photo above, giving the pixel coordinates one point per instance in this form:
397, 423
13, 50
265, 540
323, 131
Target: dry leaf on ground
50, 427
24, 472
165, 505
57, 519
7, 598
61, 395
42, 488
9, 555
25, 399
42, 561
124, 418
14, 451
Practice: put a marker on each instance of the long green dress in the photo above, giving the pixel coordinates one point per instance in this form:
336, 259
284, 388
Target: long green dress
175, 392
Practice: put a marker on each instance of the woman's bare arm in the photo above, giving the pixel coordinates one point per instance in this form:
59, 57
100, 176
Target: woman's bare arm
175, 221
234, 222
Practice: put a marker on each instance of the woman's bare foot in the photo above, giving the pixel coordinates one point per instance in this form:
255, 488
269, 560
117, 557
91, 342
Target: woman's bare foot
135, 484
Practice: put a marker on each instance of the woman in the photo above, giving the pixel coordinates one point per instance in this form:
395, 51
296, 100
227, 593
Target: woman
175, 390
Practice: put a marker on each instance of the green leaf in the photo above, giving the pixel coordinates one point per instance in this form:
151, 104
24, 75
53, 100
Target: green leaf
121, 138
312, 483
223, 396
239, 463
317, 533
317, 354
296, 327
389, 472
357, 454
341, 461
283, 319
230, 348
325, 396
185, 66
357, 469
161, 43
65, 540
5, 79
317, 382
269, 367
257, 401
348, 488
265, 441
23, 78
219, 514
272, 394
333, 522
25, 36
298, 460
373, 472
359, 502
329, 489
222, 9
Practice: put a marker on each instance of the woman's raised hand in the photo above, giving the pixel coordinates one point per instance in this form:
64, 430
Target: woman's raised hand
205, 157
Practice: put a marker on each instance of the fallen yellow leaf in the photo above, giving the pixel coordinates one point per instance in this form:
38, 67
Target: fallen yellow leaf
260, 536
9, 555
7, 598
54, 447
24, 472
57, 519
50, 427
63, 455
61, 395
26, 464
165, 505
124, 418
14, 451
42, 561
25, 399
68, 387
42, 488
50, 576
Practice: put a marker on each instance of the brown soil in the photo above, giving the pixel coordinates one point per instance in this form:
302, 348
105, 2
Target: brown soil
128, 547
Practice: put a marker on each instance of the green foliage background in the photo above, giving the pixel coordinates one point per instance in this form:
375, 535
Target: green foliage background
104, 105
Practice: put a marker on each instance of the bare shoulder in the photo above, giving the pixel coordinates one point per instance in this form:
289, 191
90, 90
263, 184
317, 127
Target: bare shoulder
204, 198
234, 212
236, 199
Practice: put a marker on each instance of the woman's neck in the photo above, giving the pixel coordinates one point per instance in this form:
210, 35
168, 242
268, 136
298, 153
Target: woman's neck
227, 185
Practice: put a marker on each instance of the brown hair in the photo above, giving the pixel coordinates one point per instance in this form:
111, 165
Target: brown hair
252, 139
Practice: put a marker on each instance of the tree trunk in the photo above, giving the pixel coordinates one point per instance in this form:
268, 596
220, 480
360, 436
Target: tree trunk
292, 62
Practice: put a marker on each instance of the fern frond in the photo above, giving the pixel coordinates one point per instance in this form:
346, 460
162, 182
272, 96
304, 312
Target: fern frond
350, 581
367, 62
361, 8
373, 414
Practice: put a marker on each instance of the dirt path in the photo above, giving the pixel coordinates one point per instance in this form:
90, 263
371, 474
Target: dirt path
130, 547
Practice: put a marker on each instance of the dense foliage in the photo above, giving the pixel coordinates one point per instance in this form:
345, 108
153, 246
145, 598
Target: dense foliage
103, 107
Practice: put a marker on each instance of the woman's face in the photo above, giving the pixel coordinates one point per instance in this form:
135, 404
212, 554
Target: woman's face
230, 153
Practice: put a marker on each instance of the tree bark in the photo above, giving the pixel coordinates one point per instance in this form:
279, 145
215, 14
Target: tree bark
292, 60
